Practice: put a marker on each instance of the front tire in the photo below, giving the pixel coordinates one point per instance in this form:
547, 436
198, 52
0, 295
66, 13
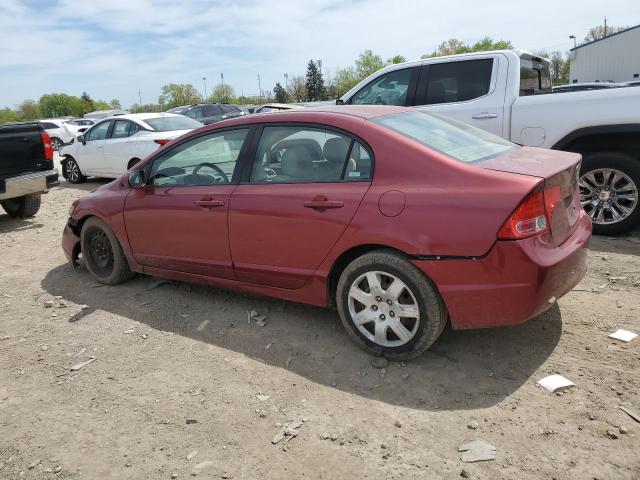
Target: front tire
71, 171
102, 253
388, 307
22, 207
609, 191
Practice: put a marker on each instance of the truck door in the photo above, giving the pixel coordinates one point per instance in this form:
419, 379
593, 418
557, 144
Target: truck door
471, 90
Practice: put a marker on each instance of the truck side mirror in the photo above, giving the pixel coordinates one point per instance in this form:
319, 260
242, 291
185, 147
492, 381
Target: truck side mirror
81, 139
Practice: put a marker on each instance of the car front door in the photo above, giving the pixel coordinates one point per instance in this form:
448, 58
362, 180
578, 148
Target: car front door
471, 91
117, 148
91, 152
304, 187
178, 221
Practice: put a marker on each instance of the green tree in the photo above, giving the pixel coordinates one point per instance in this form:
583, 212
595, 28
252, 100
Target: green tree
147, 108
453, 46
115, 103
297, 89
280, 93
315, 83
396, 59
345, 80
368, 63
60, 105
175, 94
222, 93
87, 103
8, 115
598, 32
29, 110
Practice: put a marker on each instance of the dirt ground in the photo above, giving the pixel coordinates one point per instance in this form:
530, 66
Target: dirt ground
179, 370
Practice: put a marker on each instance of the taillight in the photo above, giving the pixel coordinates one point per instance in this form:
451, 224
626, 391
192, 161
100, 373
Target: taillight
46, 143
530, 218
162, 141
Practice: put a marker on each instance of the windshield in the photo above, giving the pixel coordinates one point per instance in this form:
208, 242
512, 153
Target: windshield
535, 77
455, 139
166, 124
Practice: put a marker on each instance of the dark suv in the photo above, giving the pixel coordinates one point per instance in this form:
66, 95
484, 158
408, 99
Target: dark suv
208, 112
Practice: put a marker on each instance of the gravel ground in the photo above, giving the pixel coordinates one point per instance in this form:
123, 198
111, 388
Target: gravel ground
182, 384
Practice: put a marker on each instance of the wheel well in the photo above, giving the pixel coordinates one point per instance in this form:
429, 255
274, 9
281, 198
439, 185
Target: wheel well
623, 142
345, 259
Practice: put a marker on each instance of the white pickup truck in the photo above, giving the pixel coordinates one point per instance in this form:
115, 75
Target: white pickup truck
508, 93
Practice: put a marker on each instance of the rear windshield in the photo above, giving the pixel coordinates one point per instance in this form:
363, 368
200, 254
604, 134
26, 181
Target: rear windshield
455, 139
535, 77
166, 124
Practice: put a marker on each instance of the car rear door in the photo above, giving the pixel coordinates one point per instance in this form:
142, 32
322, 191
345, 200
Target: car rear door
91, 152
303, 188
178, 221
469, 90
118, 147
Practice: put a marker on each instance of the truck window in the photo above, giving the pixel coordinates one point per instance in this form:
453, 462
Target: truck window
451, 82
388, 89
535, 77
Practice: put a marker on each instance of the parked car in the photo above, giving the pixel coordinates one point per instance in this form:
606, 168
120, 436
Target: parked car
403, 219
59, 132
275, 107
79, 125
112, 146
579, 87
26, 168
503, 92
208, 113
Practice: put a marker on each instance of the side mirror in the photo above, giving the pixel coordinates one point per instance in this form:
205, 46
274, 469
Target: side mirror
339, 102
136, 179
81, 139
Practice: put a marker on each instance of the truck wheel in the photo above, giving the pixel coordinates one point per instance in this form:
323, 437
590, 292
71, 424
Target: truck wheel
102, 253
22, 207
56, 144
609, 186
71, 171
389, 307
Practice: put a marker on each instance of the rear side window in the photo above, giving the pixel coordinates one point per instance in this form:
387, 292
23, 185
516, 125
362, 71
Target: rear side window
535, 78
212, 110
230, 109
388, 89
49, 125
195, 113
451, 82
455, 139
308, 155
120, 129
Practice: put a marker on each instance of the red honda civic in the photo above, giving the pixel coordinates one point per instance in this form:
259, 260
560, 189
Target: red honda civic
402, 219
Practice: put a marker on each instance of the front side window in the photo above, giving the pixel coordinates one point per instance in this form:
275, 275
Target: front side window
206, 160
451, 82
306, 155
99, 132
388, 89
455, 139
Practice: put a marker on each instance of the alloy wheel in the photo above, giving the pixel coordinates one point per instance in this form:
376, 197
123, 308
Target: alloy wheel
608, 195
56, 144
383, 309
73, 172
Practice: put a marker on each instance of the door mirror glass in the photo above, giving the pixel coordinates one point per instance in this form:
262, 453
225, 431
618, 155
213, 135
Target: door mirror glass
81, 139
136, 179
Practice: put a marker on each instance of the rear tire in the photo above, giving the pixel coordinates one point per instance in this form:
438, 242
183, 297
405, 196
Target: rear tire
595, 164
56, 144
102, 253
71, 171
22, 207
400, 317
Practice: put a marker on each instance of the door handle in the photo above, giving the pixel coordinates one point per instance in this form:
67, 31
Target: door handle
323, 204
484, 115
209, 203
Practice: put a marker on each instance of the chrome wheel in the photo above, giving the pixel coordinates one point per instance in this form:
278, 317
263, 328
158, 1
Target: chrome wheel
608, 195
383, 309
56, 144
73, 171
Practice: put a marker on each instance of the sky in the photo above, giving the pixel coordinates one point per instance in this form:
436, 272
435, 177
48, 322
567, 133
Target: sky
117, 48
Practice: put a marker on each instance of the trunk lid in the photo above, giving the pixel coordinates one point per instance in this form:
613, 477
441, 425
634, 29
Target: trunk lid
559, 170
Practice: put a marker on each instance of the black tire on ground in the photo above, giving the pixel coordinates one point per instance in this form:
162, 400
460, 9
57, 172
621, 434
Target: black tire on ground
132, 162
626, 164
432, 311
22, 207
71, 171
56, 143
102, 253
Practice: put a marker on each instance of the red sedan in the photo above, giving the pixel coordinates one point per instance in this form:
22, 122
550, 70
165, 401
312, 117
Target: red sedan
402, 219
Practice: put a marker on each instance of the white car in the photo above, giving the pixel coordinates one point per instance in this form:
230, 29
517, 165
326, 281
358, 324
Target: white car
113, 145
59, 132
508, 93
79, 125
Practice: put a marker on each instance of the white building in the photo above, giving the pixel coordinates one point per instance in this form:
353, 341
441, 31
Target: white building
615, 58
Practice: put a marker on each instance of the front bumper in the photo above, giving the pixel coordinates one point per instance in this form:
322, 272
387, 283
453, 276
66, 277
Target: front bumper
516, 281
29, 183
70, 244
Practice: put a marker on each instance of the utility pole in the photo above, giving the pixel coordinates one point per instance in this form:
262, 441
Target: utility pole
224, 95
259, 87
204, 79
573, 37
286, 81
140, 97
605, 26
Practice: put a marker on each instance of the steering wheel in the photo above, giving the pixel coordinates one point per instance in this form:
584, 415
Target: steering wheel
217, 169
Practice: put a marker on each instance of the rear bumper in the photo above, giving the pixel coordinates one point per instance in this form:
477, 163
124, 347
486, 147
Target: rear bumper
70, 244
516, 281
29, 183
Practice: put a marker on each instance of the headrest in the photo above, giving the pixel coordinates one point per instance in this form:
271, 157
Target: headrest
335, 150
296, 163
